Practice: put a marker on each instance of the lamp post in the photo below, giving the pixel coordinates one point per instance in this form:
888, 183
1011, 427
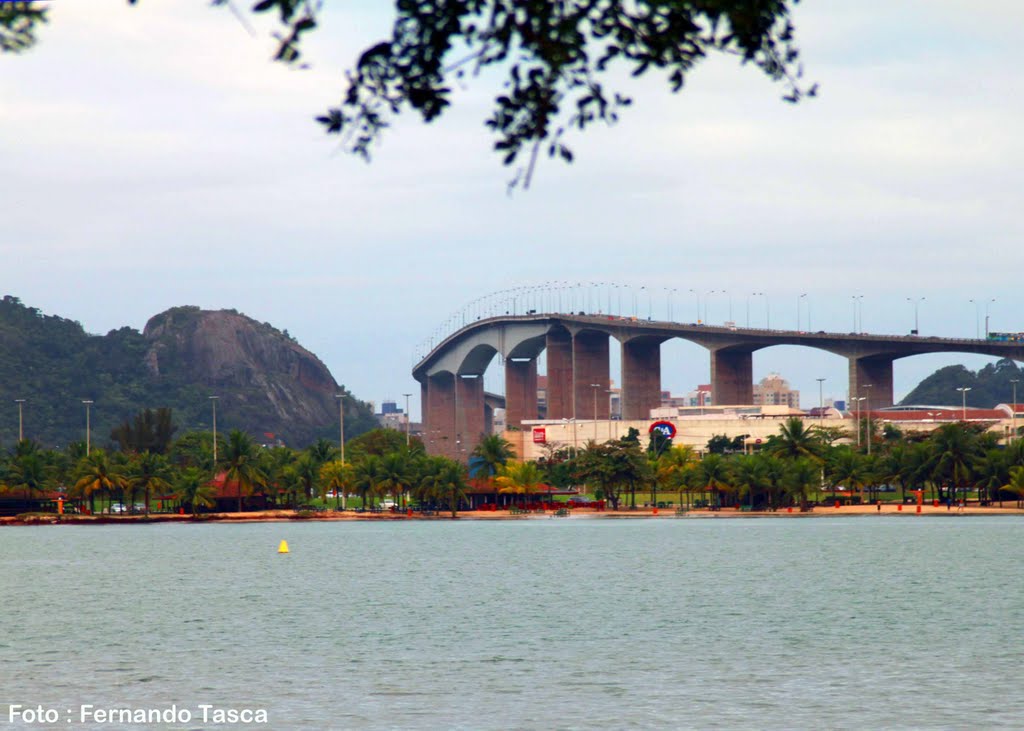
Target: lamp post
986, 316
799, 302
858, 399
595, 386
408, 419
977, 318
21, 421
707, 299
767, 318
213, 403
963, 394
1013, 414
341, 423
88, 429
856, 306
610, 392
821, 400
867, 433
915, 301
696, 294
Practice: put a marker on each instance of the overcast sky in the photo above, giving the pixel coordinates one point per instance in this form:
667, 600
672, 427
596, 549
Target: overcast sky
153, 157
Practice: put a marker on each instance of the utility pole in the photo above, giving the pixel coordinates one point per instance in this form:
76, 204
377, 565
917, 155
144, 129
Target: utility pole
21, 421
88, 429
213, 402
408, 419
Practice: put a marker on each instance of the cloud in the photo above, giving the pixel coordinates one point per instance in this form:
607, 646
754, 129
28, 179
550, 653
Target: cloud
156, 150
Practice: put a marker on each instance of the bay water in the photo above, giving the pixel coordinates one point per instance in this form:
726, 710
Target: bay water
837, 623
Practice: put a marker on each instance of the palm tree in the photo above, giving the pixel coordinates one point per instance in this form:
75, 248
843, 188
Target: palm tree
794, 441
668, 466
992, 471
322, 451
367, 474
194, 488
444, 480
892, 468
775, 475
336, 476
845, 466
1016, 484
276, 463
97, 475
241, 461
305, 470
714, 476
29, 473
396, 474
148, 472
750, 475
955, 455
801, 477
492, 452
519, 478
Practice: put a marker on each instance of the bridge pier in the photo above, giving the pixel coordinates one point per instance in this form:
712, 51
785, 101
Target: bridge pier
590, 365
560, 359
521, 391
641, 378
438, 393
732, 377
470, 423
877, 371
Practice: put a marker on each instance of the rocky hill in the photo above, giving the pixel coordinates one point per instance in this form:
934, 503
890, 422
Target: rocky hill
266, 383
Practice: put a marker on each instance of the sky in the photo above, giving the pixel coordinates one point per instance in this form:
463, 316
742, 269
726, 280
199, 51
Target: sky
152, 156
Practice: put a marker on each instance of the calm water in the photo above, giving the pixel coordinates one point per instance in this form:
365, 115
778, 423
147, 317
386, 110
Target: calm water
572, 624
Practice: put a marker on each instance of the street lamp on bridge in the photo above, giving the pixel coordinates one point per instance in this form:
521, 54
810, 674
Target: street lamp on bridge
595, 386
857, 299
915, 301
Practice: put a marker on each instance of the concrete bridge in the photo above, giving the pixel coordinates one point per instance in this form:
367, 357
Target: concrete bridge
455, 410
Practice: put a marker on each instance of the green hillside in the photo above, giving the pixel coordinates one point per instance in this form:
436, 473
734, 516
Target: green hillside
989, 386
53, 364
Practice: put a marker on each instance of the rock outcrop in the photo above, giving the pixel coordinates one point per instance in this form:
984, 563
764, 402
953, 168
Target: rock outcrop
264, 379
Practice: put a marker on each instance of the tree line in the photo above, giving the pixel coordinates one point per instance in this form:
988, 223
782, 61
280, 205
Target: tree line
150, 465
798, 466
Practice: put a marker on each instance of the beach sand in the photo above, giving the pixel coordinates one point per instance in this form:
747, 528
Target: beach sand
888, 510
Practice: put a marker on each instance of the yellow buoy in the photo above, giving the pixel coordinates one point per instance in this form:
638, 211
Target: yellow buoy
283, 548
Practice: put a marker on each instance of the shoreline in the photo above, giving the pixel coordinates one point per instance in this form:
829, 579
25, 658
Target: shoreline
283, 516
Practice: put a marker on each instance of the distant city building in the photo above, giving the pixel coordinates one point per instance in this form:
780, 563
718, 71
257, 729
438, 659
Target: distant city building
774, 390
390, 416
499, 423
697, 398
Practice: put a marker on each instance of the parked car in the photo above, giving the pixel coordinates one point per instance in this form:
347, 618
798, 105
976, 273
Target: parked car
118, 508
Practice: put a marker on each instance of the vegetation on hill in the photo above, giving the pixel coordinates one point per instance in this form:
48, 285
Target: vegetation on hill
54, 365
989, 386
